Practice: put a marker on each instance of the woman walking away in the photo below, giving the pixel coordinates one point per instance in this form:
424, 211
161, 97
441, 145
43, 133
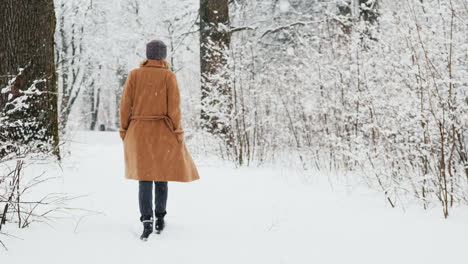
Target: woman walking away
151, 130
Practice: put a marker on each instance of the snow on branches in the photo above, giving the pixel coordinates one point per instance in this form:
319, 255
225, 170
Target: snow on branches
384, 98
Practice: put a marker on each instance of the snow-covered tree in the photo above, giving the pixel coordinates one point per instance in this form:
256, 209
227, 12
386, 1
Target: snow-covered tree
28, 101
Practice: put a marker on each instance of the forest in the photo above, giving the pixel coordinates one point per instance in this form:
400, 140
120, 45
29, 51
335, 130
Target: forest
365, 93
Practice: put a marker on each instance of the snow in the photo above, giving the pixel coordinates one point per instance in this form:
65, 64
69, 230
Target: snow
284, 6
232, 215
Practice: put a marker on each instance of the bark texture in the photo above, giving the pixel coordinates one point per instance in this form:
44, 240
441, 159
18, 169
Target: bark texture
27, 28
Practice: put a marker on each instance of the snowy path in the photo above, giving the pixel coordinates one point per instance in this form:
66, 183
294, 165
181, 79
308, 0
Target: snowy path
232, 215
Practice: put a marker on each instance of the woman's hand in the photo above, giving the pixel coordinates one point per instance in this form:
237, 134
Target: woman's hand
180, 137
122, 133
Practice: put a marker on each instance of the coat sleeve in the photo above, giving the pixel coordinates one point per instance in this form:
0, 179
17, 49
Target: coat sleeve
126, 104
173, 106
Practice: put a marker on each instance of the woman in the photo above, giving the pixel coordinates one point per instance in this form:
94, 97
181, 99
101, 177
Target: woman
151, 130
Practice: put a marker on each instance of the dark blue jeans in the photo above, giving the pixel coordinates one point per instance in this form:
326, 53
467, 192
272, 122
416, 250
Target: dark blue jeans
145, 198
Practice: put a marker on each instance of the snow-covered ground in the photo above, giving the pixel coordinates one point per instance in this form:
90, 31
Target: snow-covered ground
245, 215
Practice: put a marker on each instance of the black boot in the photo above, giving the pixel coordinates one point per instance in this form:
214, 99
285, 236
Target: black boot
159, 221
159, 225
147, 228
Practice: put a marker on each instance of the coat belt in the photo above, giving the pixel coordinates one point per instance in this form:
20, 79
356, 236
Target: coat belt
167, 120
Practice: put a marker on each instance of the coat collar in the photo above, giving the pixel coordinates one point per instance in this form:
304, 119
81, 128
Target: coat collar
155, 63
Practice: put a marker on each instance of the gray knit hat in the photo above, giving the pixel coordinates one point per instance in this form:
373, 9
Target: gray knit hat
156, 50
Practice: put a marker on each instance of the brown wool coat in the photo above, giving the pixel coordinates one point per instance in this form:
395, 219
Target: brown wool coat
151, 126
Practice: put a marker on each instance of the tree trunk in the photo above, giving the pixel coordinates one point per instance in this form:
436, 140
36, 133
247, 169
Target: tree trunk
215, 86
27, 28
95, 100
69, 46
